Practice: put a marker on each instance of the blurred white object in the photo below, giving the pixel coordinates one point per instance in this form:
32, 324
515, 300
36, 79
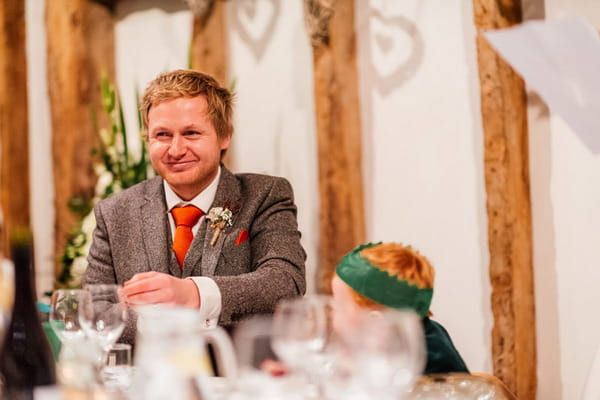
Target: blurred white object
301, 331
171, 360
559, 59
253, 339
78, 364
387, 349
7, 294
117, 373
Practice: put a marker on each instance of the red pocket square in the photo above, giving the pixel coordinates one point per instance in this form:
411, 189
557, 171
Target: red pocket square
242, 237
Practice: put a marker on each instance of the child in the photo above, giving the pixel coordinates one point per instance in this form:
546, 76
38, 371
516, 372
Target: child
380, 276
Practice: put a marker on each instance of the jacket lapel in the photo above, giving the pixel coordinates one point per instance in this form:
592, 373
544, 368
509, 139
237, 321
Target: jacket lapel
155, 229
195, 254
228, 191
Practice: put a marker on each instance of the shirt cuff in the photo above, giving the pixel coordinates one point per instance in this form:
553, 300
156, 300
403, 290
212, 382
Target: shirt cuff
210, 300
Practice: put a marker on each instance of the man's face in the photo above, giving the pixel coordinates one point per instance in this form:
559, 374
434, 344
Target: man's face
183, 144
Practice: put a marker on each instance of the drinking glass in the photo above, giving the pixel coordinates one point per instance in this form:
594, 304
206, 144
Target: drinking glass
78, 358
64, 314
252, 342
387, 349
102, 313
117, 373
301, 329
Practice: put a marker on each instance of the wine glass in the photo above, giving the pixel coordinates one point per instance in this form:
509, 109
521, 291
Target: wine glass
300, 332
78, 358
64, 315
255, 358
102, 313
387, 349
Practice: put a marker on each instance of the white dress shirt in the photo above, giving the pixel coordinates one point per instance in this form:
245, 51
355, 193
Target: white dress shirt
210, 295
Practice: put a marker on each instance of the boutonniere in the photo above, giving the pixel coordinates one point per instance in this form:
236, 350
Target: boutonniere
219, 218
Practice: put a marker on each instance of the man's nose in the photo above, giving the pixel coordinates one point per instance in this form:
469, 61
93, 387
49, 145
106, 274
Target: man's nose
177, 147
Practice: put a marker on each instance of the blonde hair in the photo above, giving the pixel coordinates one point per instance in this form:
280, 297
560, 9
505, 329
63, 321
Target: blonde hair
189, 83
398, 260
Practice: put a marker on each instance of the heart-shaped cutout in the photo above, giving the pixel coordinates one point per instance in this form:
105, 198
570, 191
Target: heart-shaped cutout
255, 22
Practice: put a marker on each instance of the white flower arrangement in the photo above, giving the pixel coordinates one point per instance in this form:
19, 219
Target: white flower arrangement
220, 218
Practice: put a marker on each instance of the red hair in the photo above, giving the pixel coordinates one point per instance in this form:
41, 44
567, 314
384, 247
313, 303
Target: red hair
401, 261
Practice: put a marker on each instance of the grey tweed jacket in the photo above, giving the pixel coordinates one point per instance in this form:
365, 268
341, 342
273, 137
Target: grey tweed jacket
133, 235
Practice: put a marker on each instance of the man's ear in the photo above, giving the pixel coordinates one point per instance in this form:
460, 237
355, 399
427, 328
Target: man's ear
225, 142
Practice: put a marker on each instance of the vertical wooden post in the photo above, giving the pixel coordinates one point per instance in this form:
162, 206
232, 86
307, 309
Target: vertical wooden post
341, 215
209, 48
504, 112
80, 47
209, 42
14, 132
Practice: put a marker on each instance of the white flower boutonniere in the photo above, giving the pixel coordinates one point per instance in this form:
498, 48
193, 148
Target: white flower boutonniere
219, 218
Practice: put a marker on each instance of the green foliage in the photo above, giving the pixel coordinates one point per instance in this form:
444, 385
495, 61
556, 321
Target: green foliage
117, 169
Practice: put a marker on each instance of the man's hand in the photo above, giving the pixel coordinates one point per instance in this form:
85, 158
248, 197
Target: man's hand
158, 288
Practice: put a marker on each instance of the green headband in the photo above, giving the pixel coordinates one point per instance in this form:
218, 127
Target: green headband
381, 287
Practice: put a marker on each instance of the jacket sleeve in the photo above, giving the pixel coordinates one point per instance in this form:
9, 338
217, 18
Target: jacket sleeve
276, 269
100, 269
100, 264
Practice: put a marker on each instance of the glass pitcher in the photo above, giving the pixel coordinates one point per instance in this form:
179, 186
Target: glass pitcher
171, 360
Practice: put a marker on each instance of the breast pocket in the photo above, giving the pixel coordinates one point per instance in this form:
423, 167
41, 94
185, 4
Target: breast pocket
235, 259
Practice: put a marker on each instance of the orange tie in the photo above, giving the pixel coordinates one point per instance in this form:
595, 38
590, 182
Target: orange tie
185, 218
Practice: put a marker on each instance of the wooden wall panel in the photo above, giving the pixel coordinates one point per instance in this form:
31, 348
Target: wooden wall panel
209, 43
341, 215
80, 46
504, 113
14, 142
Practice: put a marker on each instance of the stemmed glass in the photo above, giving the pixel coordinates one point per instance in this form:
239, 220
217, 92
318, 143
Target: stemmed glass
387, 349
102, 314
300, 332
77, 359
252, 341
64, 315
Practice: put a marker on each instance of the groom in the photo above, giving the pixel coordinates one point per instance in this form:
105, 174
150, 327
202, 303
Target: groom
198, 235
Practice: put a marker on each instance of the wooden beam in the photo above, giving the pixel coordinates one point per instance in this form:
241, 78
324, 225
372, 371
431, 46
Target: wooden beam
80, 46
14, 142
209, 49
342, 224
504, 112
209, 42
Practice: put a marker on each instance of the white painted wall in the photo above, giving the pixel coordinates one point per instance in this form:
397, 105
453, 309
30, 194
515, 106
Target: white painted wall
422, 154
271, 65
566, 216
150, 38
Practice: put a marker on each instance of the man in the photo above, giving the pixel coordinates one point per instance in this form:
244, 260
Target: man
242, 261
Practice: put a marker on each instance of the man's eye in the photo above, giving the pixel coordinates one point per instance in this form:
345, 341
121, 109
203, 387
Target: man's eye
162, 135
191, 133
